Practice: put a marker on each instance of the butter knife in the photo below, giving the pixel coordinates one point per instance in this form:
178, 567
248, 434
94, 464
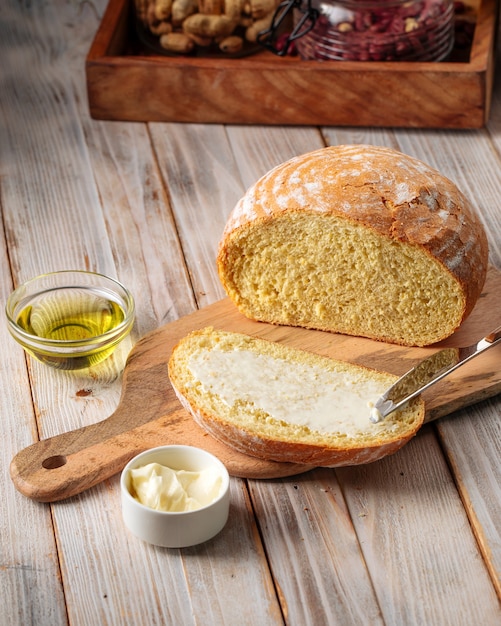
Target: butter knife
427, 373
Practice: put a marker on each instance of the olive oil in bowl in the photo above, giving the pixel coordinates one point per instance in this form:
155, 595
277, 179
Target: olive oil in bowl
72, 325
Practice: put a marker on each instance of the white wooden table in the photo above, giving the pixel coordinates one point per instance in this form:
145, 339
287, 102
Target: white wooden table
413, 539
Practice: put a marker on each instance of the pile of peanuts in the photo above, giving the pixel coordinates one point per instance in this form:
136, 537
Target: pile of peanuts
182, 26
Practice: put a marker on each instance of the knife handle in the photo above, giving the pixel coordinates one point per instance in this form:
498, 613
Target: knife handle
494, 336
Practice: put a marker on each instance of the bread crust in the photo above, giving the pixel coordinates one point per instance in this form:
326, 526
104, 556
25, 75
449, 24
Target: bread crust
246, 442
279, 446
395, 195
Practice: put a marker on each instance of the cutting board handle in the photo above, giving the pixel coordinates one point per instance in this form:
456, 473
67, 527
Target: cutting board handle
67, 464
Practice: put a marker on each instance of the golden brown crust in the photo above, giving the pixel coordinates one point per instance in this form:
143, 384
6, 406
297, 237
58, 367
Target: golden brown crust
394, 194
246, 442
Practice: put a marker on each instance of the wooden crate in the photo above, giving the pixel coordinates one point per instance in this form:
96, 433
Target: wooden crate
127, 83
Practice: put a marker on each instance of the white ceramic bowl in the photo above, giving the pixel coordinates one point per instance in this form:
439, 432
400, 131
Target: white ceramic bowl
181, 528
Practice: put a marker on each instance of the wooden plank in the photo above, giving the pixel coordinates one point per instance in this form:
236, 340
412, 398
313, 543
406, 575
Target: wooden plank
314, 552
378, 528
417, 537
289, 90
477, 477
197, 165
263, 148
29, 569
31, 589
233, 566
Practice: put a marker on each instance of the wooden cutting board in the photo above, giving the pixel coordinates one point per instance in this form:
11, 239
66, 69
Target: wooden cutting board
150, 415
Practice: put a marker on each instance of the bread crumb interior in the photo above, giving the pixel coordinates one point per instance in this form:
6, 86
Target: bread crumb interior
327, 273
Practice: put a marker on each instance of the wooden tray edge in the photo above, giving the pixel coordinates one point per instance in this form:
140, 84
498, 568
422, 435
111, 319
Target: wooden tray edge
107, 66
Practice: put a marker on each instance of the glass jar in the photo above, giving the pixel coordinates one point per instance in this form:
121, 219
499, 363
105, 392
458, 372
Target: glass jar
376, 30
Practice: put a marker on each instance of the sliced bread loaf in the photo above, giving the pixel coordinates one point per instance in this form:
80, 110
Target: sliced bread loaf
359, 240
279, 403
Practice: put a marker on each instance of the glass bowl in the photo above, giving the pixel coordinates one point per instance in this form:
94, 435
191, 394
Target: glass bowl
70, 319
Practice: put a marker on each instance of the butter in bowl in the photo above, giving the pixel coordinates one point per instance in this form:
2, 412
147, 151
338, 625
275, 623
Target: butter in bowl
175, 496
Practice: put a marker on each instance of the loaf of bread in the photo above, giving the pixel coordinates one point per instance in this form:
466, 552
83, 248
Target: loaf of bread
278, 403
358, 240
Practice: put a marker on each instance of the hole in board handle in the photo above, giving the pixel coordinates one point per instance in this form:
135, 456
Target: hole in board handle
53, 462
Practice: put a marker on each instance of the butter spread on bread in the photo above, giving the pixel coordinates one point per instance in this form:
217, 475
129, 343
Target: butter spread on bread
279, 403
359, 240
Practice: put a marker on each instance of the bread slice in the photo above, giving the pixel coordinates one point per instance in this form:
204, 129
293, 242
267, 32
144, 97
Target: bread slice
279, 403
359, 240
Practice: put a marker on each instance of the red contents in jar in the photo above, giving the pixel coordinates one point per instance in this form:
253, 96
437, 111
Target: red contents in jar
382, 30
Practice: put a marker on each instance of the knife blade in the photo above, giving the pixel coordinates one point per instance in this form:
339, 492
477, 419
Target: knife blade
427, 373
